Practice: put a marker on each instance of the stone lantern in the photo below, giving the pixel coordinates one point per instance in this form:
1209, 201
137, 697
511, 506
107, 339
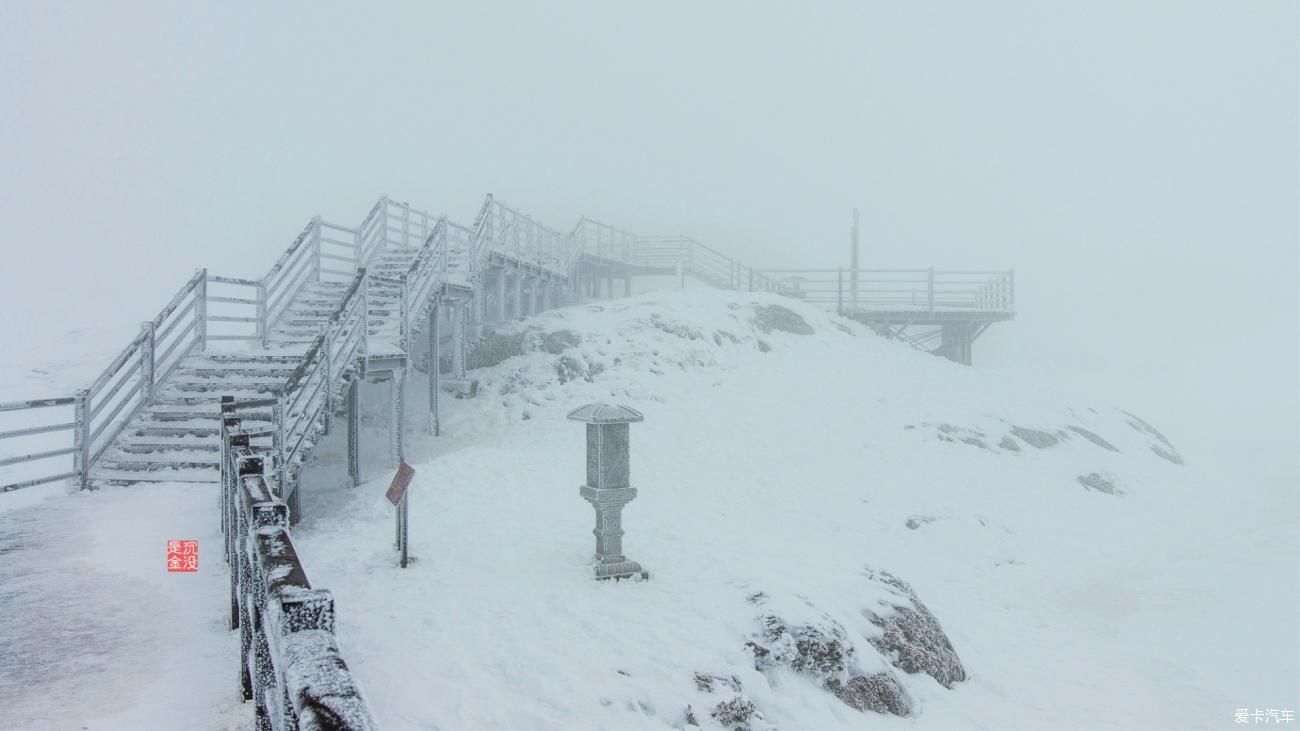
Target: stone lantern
608, 488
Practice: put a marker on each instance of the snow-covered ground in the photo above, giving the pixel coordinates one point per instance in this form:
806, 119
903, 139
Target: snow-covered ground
786, 464
1163, 596
96, 634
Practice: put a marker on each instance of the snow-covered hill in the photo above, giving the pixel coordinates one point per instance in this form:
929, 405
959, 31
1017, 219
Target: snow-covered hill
790, 465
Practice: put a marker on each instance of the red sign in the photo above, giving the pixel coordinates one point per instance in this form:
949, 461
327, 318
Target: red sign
397, 490
183, 556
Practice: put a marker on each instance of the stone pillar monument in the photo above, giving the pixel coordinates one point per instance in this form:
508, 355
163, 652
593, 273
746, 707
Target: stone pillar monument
608, 487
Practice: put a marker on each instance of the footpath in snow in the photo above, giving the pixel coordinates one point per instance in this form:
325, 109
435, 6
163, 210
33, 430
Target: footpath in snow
96, 633
1084, 577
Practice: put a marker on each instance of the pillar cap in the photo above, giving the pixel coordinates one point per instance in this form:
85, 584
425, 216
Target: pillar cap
605, 414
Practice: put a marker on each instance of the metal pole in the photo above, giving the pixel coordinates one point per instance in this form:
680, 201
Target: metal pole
435, 365
839, 297
354, 436
399, 426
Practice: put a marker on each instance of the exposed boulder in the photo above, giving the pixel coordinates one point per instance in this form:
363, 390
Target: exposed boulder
494, 348
736, 711
1035, 438
1169, 455
1165, 448
1092, 437
879, 692
823, 653
1095, 481
559, 341
679, 329
775, 317
912, 638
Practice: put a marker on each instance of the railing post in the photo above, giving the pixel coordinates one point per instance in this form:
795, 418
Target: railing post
315, 236
406, 225
1011, 287
201, 309
147, 362
365, 311
930, 289
261, 314
435, 365
278, 440
839, 296
403, 312
81, 437
327, 362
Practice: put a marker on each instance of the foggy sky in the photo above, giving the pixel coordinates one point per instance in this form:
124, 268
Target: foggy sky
1135, 162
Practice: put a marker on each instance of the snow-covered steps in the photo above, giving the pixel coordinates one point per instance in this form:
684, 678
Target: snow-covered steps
176, 436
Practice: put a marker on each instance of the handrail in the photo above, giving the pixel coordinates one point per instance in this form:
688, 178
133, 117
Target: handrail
299, 405
45, 454
290, 665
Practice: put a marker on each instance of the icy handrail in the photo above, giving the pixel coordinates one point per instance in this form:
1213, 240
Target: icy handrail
290, 664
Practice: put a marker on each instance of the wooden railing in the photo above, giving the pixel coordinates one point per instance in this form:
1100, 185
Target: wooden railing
308, 397
500, 229
289, 665
102, 410
927, 291
666, 254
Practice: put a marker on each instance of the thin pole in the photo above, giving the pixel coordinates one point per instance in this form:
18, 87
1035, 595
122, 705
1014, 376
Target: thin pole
853, 261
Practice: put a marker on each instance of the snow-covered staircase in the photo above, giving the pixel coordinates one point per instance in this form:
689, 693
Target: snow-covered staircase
176, 437
339, 304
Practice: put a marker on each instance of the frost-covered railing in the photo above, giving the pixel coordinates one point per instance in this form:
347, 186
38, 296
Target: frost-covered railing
102, 410
290, 665
423, 278
308, 397
247, 309
666, 254
30, 455
927, 291
593, 238
500, 229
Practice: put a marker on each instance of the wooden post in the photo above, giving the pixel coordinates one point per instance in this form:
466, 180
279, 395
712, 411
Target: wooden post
147, 362
81, 438
201, 309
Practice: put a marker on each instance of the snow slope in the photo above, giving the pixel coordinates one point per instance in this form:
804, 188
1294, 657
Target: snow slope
1152, 596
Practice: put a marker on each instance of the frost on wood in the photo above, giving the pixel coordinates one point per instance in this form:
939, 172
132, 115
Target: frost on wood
319, 685
912, 638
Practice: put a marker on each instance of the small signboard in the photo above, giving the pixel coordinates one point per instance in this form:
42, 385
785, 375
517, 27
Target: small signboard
397, 490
